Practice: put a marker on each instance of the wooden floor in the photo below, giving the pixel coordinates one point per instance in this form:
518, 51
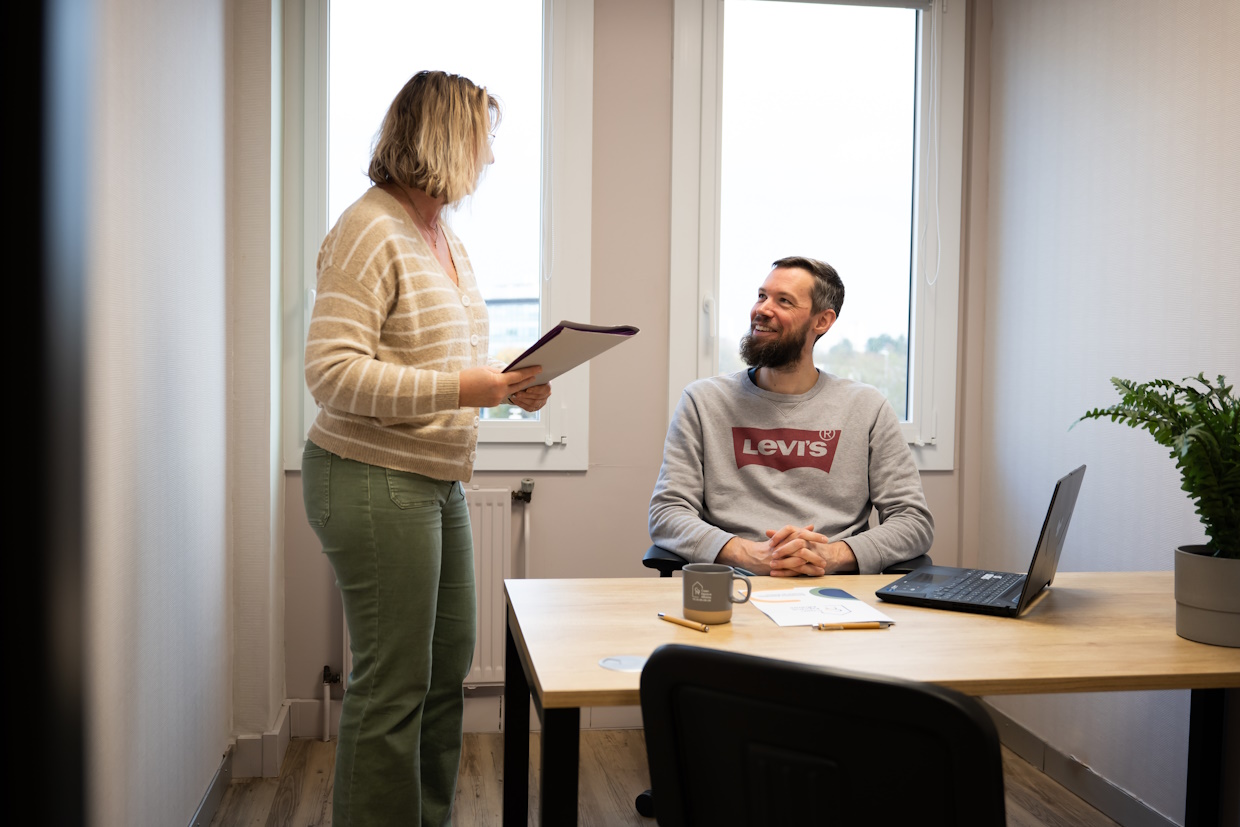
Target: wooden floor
613, 772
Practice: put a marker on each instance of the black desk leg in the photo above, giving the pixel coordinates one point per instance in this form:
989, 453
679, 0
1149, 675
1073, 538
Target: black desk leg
516, 735
1206, 725
561, 739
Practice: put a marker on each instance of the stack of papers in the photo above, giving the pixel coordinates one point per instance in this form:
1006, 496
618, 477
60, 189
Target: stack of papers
810, 606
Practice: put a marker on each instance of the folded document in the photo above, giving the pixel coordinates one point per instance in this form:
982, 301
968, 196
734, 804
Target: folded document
568, 345
812, 605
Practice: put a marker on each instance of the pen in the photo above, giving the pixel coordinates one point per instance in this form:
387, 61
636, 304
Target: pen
826, 627
688, 624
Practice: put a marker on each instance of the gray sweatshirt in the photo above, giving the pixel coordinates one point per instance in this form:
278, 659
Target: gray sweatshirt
739, 460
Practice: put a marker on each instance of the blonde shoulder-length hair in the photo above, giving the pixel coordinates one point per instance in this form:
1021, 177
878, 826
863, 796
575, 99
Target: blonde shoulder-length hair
434, 136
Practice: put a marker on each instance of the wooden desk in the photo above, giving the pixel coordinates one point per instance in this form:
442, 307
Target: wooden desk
1091, 633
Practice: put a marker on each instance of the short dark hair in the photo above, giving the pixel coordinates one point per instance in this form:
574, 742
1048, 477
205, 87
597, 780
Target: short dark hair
828, 290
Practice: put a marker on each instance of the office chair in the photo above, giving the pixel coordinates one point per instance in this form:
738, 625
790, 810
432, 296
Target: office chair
736, 739
666, 562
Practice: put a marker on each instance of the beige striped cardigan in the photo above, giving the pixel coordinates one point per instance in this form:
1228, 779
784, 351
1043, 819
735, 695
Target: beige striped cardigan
388, 337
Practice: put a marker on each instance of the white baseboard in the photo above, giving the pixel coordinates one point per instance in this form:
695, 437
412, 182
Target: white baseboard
1074, 776
260, 756
612, 717
306, 716
483, 713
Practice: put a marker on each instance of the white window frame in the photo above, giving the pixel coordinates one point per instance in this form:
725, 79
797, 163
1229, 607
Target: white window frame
559, 440
697, 72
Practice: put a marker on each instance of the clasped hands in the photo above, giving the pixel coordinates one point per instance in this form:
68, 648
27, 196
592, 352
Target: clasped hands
790, 552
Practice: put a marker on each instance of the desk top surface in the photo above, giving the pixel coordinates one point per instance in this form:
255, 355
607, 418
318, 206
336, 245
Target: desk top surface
1092, 632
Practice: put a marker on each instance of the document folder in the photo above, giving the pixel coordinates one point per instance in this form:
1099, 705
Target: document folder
568, 345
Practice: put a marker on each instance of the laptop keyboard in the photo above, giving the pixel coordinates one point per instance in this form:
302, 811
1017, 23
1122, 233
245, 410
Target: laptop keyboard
971, 588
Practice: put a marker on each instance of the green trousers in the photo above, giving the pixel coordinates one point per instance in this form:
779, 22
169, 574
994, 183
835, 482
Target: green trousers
402, 551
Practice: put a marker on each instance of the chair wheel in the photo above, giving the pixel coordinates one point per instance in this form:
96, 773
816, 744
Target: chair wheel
645, 804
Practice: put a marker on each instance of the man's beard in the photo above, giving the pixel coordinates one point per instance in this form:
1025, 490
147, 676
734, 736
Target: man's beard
784, 350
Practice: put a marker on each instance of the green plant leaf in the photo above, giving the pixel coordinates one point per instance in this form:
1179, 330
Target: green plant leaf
1200, 423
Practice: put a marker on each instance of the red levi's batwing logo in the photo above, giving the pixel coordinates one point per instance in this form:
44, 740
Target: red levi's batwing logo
784, 448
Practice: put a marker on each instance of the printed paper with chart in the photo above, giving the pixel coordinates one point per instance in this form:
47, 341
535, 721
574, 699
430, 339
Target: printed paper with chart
811, 605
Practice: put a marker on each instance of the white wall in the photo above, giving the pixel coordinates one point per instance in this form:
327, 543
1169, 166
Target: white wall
177, 447
159, 683
1113, 244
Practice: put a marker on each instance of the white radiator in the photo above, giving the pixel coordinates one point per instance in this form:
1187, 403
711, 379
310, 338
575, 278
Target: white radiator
490, 518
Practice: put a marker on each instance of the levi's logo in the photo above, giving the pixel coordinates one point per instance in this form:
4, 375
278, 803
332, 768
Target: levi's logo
784, 448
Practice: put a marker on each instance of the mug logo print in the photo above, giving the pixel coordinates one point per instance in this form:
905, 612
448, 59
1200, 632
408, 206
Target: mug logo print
701, 594
785, 448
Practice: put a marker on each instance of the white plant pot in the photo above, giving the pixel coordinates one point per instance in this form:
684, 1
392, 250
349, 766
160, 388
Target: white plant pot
1207, 597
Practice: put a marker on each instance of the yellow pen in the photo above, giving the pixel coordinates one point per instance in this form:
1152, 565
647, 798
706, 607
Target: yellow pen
688, 624
827, 627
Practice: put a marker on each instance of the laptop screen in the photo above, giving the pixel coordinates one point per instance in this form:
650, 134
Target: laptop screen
1050, 540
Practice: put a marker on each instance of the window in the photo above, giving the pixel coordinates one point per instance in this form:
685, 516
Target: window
356, 57
832, 131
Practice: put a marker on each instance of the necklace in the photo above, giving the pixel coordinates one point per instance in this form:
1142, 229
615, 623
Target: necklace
434, 231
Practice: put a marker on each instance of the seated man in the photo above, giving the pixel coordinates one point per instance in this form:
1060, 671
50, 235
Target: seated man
775, 469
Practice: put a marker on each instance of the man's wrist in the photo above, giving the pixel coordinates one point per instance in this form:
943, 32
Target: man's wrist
842, 558
739, 554
729, 554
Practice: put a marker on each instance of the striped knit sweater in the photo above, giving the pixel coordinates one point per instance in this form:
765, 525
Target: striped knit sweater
388, 338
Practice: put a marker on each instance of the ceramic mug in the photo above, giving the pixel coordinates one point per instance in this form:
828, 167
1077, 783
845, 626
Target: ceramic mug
708, 592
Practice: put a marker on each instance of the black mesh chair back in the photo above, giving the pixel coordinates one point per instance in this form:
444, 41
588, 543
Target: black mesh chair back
741, 740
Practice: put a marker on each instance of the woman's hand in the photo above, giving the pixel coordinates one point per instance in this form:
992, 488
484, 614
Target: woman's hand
532, 398
486, 387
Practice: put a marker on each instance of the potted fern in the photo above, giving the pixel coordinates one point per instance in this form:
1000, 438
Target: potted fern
1200, 423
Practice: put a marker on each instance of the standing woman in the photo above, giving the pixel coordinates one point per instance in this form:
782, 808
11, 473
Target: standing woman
396, 357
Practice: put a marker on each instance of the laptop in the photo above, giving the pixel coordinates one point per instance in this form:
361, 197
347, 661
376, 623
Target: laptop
994, 592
